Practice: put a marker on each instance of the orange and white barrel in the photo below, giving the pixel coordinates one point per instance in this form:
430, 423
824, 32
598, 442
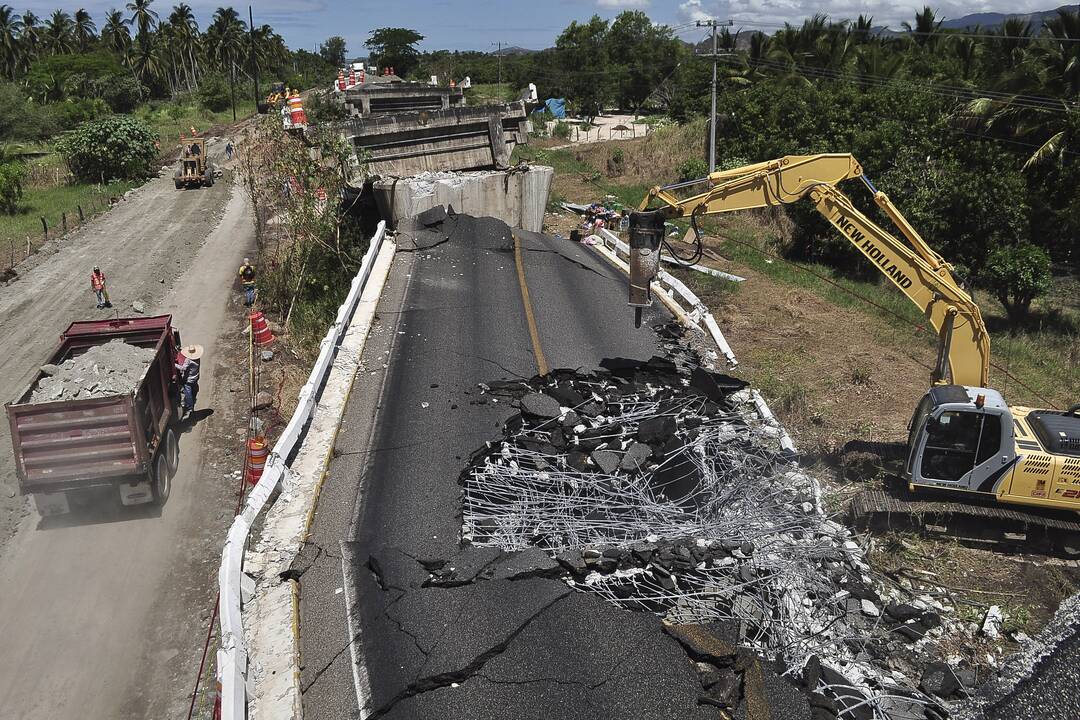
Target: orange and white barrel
258, 451
296, 110
341, 79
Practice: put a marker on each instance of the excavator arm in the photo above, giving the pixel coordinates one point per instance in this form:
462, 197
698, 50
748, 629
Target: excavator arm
910, 264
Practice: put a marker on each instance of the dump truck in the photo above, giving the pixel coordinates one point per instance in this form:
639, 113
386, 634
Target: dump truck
195, 169
76, 447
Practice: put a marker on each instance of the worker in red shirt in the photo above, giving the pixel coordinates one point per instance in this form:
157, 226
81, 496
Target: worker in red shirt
97, 284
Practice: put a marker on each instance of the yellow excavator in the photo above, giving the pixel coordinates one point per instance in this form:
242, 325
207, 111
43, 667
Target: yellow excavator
963, 437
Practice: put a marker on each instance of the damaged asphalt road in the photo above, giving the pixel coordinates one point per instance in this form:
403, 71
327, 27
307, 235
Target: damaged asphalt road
451, 318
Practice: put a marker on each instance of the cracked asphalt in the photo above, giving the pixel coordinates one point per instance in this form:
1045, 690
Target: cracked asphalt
506, 642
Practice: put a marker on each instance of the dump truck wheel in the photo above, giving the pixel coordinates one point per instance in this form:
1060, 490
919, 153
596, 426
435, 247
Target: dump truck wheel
208, 180
161, 482
178, 184
172, 451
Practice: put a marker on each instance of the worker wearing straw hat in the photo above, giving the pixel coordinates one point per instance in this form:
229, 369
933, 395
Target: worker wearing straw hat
188, 365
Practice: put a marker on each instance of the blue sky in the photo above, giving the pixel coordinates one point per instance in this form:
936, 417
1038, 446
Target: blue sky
534, 24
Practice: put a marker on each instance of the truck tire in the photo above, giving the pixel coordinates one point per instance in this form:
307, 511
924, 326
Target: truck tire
171, 449
160, 480
179, 185
208, 179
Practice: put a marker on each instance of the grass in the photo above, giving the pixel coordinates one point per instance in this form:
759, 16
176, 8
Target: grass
50, 203
170, 118
488, 93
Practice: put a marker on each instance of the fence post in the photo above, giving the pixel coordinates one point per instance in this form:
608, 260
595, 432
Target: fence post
27, 246
82, 218
45, 228
63, 221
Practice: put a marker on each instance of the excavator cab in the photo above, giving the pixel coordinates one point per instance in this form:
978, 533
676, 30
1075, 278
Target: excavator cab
961, 438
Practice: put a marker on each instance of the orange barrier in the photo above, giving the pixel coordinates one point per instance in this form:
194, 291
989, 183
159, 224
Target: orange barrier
257, 453
260, 331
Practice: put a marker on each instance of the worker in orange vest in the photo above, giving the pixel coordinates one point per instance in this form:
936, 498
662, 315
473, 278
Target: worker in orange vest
97, 284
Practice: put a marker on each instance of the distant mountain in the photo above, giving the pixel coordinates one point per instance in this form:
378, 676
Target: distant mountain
993, 20
513, 51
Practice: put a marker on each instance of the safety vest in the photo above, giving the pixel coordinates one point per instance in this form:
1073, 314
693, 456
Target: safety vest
97, 280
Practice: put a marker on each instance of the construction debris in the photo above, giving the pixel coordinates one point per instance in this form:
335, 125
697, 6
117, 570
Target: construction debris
656, 486
113, 368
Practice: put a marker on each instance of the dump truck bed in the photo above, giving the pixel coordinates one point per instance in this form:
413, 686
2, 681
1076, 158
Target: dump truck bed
78, 443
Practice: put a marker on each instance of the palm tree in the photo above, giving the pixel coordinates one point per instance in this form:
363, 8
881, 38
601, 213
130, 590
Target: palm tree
185, 35
29, 38
1050, 70
925, 31
9, 40
115, 33
225, 42
85, 30
58, 33
143, 18
146, 62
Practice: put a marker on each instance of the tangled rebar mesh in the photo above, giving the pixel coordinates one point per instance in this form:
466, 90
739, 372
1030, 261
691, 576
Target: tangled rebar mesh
713, 523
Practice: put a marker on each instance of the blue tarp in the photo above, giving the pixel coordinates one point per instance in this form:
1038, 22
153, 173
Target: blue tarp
555, 106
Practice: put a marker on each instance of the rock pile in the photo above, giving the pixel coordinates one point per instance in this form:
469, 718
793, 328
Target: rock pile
655, 485
113, 368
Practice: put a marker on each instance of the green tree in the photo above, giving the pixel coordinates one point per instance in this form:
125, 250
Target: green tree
1017, 274
585, 65
396, 48
643, 55
117, 147
58, 35
9, 42
84, 29
12, 177
115, 34
333, 51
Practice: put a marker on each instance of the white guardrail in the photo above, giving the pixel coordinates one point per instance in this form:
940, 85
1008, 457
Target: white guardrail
233, 584
698, 315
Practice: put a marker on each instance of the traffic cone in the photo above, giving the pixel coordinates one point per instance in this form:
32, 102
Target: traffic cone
362, 76
452, 83
260, 331
257, 453
341, 79
352, 76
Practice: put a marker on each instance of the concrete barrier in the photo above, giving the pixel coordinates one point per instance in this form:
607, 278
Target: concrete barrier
517, 197
234, 586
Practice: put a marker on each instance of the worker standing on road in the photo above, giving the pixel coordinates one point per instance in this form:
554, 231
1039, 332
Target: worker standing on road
228, 150
188, 365
247, 279
97, 284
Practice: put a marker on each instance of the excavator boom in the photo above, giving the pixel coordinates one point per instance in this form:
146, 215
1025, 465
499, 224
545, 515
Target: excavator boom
910, 264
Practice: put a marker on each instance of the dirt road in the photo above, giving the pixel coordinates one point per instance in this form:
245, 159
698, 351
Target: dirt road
101, 617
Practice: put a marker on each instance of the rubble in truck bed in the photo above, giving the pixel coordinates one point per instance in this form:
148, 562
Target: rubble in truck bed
112, 368
655, 485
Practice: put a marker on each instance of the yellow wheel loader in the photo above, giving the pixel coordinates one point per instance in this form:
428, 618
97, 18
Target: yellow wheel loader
963, 437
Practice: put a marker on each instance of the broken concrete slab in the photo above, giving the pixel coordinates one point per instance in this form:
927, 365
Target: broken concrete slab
518, 197
432, 216
540, 405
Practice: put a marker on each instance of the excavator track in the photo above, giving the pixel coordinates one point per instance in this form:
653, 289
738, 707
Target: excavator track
982, 524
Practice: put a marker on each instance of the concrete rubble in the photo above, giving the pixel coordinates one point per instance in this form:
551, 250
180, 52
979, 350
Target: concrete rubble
655, 486
113, 368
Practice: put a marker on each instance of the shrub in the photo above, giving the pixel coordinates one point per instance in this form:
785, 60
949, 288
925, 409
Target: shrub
12, 176
117, 147
1017, 274
561, 130
214, 93
693, 169
69, 114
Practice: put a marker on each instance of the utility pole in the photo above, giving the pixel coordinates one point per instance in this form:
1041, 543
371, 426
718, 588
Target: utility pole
498, 53
713, 23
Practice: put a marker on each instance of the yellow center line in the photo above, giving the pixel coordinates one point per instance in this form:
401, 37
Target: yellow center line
530, 318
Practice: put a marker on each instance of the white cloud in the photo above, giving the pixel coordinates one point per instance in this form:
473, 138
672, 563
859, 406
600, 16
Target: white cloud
622, 4
692, 11
767, 15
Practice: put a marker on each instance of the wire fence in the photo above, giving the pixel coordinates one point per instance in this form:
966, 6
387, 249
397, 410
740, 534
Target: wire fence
18, 245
